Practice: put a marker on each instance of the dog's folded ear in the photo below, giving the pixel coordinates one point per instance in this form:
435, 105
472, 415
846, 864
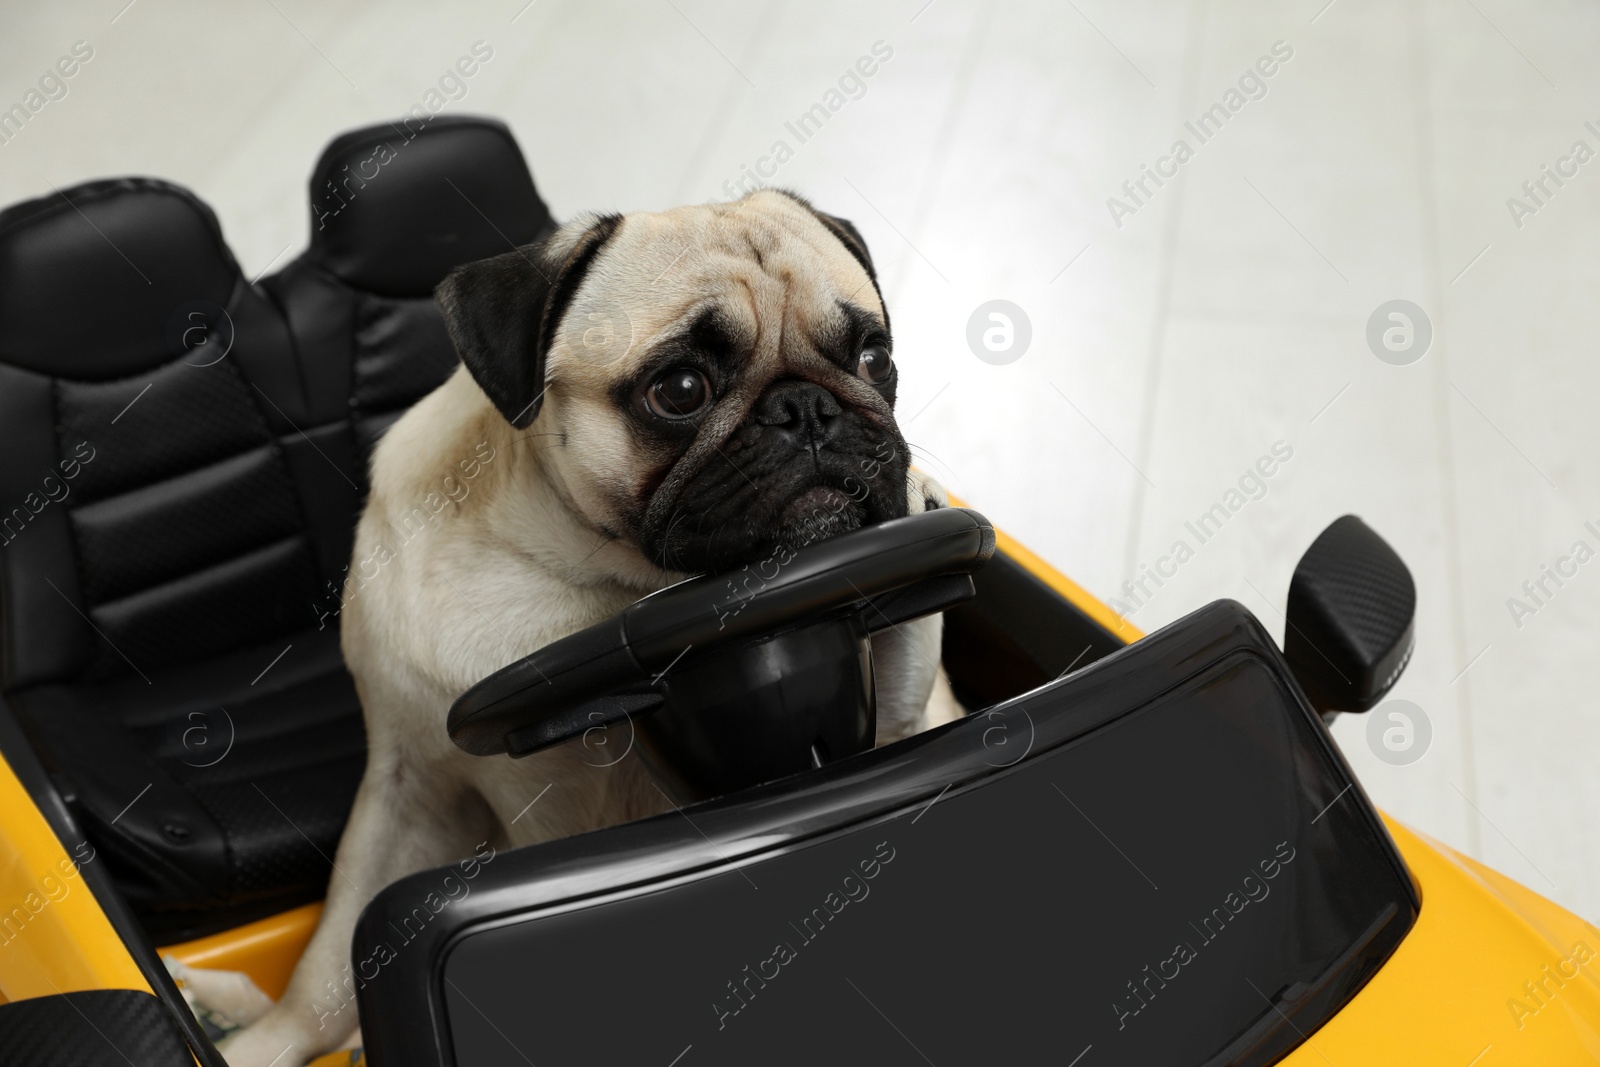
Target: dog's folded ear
503, 312
843, 229
851, 239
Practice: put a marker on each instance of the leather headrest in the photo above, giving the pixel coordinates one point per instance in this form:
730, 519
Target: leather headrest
395, 207
91, 277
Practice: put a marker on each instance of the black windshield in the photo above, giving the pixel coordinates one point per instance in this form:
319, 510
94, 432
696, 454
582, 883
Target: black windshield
1188, 879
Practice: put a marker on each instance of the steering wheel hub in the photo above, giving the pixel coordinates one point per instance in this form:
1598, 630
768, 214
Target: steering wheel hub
738, 678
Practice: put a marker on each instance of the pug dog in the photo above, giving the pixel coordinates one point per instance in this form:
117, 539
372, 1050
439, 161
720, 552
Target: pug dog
641, 398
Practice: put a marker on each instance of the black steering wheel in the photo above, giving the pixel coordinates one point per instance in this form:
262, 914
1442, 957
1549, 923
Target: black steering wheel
739, 677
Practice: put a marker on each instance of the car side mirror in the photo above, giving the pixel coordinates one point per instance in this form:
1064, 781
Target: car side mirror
1351, 618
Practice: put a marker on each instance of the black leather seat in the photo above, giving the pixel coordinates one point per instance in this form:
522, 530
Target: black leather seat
169, 532
184, 459
393, 208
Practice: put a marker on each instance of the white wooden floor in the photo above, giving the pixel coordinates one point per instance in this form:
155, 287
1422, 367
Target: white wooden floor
1225, 314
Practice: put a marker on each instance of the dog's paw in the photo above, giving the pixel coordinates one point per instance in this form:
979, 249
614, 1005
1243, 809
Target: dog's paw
269, 1043
923, 493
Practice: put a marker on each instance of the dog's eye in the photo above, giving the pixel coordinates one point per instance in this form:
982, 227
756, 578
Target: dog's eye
679, 394
875, 365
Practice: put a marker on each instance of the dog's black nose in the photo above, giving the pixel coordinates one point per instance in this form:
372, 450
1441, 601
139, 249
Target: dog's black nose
803, 411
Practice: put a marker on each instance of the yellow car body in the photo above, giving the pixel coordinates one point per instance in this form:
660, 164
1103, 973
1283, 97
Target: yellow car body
1492, 973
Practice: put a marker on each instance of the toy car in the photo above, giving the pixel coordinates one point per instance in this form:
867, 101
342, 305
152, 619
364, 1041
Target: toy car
1134, 850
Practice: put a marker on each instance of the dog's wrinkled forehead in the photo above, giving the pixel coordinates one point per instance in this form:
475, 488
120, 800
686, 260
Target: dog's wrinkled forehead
768, 276
771, 270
